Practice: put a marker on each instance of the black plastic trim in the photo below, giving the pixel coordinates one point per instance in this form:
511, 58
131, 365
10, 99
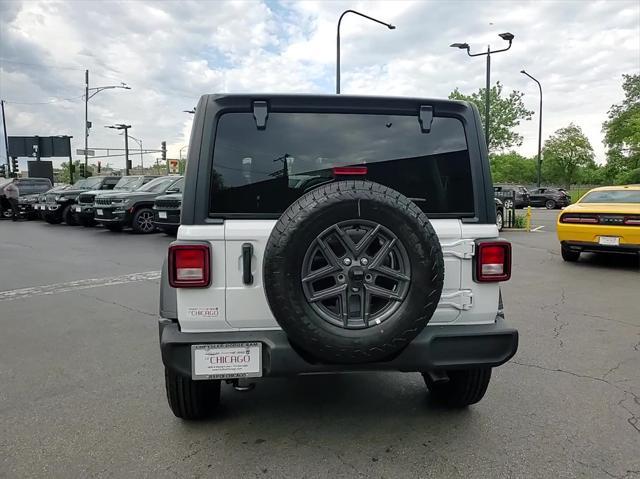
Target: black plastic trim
211, 107
443, 347
598, 248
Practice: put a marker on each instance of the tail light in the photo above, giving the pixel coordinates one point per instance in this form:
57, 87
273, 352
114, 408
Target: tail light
581, 219
632, 221
189, 265
493, 261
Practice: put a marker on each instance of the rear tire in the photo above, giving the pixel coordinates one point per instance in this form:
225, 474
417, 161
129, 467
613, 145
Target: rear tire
465, 387
550, 205
189, 399
569, 255
499, 220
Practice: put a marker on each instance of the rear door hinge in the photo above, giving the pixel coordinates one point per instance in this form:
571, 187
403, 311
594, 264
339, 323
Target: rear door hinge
461, 300
463, 249
260, 113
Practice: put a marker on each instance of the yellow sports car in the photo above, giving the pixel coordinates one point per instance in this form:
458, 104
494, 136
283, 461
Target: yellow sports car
606, 219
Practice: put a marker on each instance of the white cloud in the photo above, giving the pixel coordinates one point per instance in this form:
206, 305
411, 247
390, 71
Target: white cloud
172, 52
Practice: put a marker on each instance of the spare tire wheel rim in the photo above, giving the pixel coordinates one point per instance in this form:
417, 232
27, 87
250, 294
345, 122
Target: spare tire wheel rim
356, 274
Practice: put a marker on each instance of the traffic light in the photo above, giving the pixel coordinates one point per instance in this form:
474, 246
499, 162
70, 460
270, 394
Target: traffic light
99, 166
164, 151
3, 171
14, 165
82, 170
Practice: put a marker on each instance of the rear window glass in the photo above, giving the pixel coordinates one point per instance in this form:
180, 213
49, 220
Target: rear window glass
612, 196
264, 171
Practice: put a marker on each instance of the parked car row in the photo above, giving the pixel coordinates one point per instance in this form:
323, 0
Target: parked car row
517, 196
143, 203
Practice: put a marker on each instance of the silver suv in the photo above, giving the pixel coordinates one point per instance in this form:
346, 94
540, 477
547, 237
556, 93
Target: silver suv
331, 234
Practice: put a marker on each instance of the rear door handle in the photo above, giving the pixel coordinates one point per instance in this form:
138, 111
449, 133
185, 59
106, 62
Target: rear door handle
247, 254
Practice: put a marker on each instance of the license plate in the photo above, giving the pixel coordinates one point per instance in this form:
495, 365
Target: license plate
609, 240
78, 209
226, 360
162, 214
99, 212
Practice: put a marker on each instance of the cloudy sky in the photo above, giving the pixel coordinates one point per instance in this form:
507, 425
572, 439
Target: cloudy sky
172, 52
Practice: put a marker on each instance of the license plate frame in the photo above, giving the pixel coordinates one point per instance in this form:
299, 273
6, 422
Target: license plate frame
202, 368
78, 209
99, 212
609, 240
162, 215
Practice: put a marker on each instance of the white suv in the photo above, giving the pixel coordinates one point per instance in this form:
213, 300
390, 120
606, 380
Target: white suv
329, 234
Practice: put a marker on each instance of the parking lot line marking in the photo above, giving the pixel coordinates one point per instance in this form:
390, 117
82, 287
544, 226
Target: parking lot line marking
77, 285
537, 228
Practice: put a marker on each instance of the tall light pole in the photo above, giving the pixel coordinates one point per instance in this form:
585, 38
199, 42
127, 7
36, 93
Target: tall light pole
139, 142
465, 46
88, 97
388, 25
539, 129
122, 126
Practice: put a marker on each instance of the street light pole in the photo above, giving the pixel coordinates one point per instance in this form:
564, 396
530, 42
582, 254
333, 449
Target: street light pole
88, 97
388, 25
122, 126
139, 142
465, 46
539, 129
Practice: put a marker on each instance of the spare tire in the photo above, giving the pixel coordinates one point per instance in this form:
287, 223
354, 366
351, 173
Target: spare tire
353, 271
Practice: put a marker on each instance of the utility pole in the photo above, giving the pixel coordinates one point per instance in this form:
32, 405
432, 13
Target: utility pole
539, 129
508, 37
6, 140
87, 97
86, 117
122, 126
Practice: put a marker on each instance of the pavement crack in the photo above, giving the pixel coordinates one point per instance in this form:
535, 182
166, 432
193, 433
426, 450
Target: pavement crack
115, 303
633, 420
599, 468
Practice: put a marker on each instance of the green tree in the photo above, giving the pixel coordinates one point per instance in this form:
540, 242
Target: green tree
505, 114
566, 154
512, 168
622, 129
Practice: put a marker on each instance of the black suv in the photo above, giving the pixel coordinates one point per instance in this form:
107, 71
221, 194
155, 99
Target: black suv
166, 211
512, 196
60, 205
29, 189
331, 234
550, 198
117, 210
84, 209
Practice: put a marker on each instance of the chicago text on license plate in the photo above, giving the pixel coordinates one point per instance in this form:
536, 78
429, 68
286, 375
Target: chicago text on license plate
609, 240
228, 360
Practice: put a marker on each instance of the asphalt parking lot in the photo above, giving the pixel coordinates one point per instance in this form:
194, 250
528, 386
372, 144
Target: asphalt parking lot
83, 395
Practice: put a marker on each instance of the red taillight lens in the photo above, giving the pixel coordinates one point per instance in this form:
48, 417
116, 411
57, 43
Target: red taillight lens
632, 221
579, 219
349, 170
493, 261
189, 265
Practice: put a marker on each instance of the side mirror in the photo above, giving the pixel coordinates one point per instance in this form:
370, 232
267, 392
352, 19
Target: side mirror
172, 191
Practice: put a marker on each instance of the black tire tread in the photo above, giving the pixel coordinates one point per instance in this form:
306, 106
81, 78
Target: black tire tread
569, 255
189, 399
299, 212
464, 388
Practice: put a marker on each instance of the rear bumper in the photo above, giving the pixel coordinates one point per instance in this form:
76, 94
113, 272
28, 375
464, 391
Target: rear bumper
598, 248
435, 348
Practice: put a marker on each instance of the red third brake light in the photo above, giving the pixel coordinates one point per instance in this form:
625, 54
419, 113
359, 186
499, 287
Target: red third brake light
349, 170
493, 262
189, 265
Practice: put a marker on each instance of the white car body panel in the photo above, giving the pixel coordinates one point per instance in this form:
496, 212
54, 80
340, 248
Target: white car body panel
230, 305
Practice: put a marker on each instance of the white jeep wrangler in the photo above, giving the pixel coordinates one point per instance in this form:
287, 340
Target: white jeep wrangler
330, 234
